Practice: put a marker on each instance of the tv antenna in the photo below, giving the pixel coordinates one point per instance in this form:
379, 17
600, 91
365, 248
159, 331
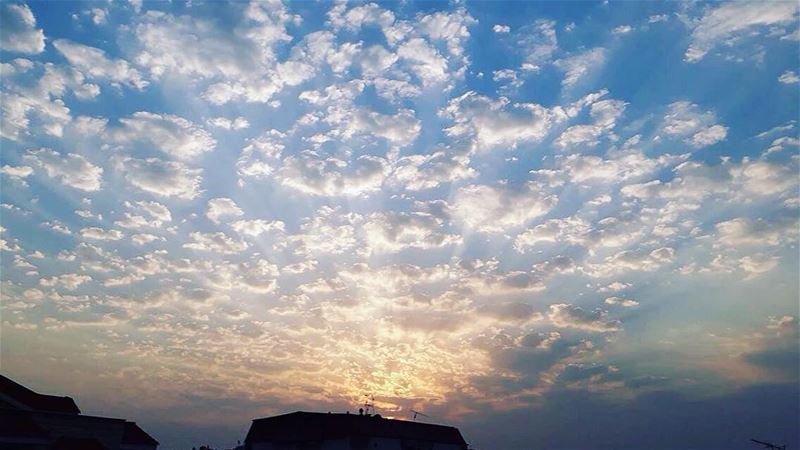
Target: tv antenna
769, 445
417, 413
369, 404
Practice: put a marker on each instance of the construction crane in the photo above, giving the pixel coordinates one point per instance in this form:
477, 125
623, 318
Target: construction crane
417, 413
769, 445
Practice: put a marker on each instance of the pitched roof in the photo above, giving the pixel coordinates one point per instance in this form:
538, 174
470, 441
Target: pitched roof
309, 426
134, 435
34, 400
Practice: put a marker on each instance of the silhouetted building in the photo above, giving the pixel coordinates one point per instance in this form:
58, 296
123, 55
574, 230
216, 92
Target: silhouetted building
29, 420
319, 431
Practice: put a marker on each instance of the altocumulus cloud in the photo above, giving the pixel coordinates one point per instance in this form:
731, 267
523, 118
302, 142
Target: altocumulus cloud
473, 215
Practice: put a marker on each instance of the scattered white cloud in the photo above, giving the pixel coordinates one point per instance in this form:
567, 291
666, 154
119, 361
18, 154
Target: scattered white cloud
222, 207
537, 42
71, 169
564, 315
159, 177
69, 281
215, 242
620, 301
239, 123
494, 209
622, 29
789, 77
497, 123
101, 234
724, 22
94, 63
99, 15
16, 171
579, 66
173, 135
19, 30
257, 227
685, 119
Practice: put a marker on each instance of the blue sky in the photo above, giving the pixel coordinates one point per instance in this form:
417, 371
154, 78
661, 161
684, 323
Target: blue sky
500, 214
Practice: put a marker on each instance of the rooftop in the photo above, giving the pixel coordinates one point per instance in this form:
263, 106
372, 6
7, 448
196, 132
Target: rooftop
17, 393
311, 426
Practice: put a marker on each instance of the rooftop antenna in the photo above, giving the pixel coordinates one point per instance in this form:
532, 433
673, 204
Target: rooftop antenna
417, 413
369, 404
769, 445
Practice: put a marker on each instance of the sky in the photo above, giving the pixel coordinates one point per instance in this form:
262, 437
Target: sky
551, 224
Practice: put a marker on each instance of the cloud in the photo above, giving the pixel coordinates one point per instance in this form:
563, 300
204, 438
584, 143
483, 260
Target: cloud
452, 27
19, 30
427, 171
399, 129
69, 281
727, 21
497, 123
631, 260
72, 170
310, 173
215, 242
758, 264
789, 77
709, 136
570, 230
239, 123
222, 207
393, 232
741, 232
563, 315
35, 96
145, 238
172, 135
429, 66
604, 114
498, 28
241, 61
626, 302
89, 126
16, 171
94, 62
328, 232
538, 42
142, 214
494, 209
686, 120
620, 167
622, 29
182, 45
259, 276
159, 177
99, 16
257, 227
101, 234
578, 66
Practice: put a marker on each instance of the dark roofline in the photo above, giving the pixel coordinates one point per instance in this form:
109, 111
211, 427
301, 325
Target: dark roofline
303, 425
36, 401
134, 434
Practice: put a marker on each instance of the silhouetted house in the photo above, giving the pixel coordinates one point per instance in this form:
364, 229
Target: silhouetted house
307, 431
29, 420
